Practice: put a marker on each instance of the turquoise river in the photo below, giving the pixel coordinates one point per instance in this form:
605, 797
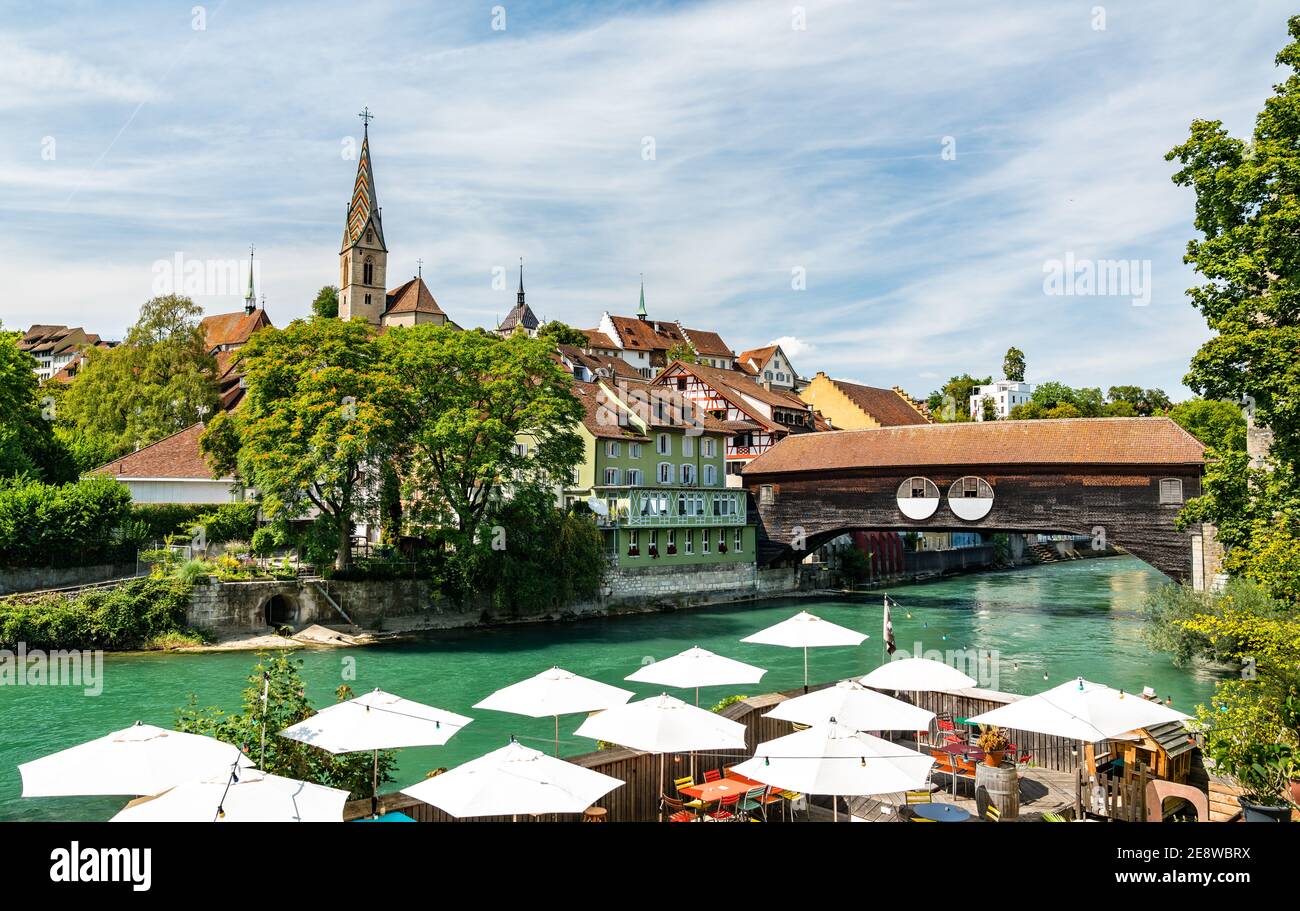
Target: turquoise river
1064, 620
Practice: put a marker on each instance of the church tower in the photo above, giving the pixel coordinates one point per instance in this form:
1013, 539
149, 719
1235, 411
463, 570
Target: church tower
363, 261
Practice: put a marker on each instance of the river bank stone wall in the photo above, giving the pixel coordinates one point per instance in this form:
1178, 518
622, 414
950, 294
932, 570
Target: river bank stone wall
416, 604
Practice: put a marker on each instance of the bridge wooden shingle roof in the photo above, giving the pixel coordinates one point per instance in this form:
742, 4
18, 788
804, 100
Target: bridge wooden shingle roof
1068, 441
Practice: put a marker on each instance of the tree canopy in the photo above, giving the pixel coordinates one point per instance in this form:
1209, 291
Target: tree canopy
470, 403
1013, 365
160, 380
562, 334
326, 303
28, 445
951, 402
1248, 253
318, 413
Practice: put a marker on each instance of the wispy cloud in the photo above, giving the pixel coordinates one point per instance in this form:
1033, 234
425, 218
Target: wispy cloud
775, 150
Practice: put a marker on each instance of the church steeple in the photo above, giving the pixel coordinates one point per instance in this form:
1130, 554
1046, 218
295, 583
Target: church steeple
363, 259
519, 298
250, 299
640, 311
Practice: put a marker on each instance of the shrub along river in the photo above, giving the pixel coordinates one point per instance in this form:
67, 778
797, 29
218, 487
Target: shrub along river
1064, 620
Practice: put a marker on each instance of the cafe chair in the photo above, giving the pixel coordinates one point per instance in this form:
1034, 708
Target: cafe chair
676, 810
724, 812
687, 782
753, 801
992, 813
713, 775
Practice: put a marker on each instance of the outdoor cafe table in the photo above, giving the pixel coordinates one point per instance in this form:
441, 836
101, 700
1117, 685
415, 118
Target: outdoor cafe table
940, 812
970, 751
710, 791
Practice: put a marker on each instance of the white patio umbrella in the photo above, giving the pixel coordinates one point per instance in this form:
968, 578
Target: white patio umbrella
830, 758
513, 780
664, 724
255, 796
697, 667
805, 630
854, 706
555, 692
376, 721
135, 761
917, 674
1080, 710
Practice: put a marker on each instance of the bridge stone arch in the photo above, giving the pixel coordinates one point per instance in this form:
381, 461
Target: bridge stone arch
1105, 477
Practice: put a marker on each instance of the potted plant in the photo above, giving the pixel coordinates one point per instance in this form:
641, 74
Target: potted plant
994, 743
722, 548
654, 552
633, 550
672, 549
1263, 771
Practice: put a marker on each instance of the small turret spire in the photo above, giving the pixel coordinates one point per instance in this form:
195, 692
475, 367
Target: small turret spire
640, 312
520, 297
250, 300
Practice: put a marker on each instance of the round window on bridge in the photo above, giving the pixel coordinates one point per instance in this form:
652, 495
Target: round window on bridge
970, 498
918, 498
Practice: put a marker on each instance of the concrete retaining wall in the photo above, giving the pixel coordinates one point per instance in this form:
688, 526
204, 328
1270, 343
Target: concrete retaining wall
40, 578
400, 605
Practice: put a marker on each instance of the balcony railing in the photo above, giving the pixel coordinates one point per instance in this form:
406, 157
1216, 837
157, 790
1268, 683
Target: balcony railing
676, 507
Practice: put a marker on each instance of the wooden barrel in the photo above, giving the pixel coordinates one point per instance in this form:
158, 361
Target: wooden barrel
999, 787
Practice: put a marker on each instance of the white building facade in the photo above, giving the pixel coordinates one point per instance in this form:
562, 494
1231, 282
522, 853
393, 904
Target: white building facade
1006, 394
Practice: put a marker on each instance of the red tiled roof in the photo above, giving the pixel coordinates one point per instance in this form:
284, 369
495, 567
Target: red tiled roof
1067, 441
738, 383
412, 297
707, 343
658, 335
236, 328
593, 362
641, 395
600, 417
598, 339
176, 456
885, 405
759, 356
639, 335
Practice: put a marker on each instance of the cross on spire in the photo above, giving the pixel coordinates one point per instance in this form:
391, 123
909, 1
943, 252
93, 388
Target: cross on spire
366, 117
419, 268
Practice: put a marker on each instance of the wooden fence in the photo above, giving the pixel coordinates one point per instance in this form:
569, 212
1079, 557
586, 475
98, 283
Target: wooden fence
638, 799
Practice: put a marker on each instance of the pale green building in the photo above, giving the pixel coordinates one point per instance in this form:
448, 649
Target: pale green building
653, 473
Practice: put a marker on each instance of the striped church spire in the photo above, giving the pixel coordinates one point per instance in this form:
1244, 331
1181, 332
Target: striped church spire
364, 208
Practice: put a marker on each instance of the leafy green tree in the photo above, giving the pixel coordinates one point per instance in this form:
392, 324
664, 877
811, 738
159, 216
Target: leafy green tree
680, 351
1248, 215
326, 304
160, 380
286, 705
951, 403
1219, 425
562, 334
1145, 402
469, 404
988, 408
318, 414
28, 443
1013, 365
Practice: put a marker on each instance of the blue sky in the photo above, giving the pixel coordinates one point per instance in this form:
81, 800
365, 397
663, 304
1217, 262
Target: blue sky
131, 137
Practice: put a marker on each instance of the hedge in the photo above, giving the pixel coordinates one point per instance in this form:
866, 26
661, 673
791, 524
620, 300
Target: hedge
227, 522
127, 617
60, 524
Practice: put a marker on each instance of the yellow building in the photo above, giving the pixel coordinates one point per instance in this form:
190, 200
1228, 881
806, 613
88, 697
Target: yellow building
849, 406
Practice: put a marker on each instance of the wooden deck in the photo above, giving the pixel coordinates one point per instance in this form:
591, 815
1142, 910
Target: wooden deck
1041, 791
